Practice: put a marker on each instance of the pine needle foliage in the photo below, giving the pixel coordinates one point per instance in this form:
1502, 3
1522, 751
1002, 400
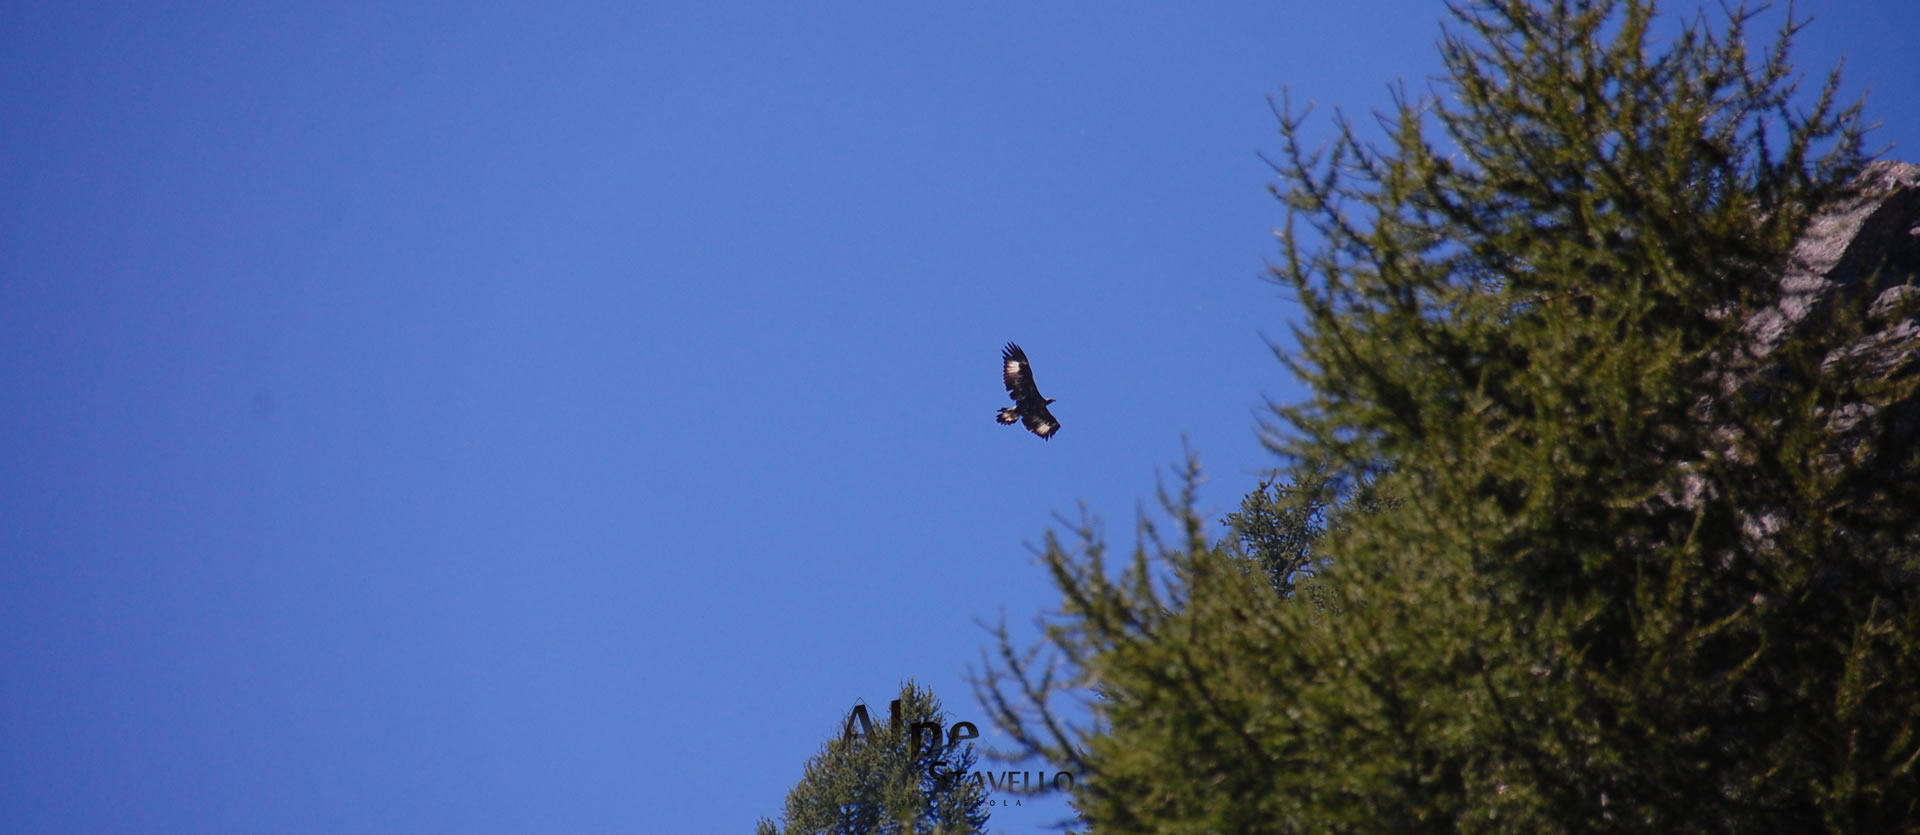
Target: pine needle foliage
1278, 524
1614, 592
882, 783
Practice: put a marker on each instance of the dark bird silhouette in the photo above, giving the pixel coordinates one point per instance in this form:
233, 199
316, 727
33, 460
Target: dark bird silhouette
1028, 406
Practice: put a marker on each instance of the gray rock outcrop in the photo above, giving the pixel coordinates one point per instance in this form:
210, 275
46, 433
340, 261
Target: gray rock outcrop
1866, 244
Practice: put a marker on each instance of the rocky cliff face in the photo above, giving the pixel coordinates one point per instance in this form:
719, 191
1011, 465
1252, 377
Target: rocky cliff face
1864, 247
1866, 244
1868, 241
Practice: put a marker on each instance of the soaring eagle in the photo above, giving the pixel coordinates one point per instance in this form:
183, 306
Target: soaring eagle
1028, 406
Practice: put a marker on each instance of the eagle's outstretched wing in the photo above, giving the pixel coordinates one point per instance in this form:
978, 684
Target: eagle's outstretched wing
1040, 422
1017, 373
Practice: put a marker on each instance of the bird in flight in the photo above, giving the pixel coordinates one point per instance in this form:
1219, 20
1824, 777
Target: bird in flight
1028, 406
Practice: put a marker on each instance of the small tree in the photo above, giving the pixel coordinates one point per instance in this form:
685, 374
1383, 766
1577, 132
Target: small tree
888, 778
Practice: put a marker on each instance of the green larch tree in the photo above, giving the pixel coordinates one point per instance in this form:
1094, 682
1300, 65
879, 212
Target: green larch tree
1627, 581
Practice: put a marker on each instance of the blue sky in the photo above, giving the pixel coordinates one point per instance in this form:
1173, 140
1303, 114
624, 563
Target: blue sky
507, 417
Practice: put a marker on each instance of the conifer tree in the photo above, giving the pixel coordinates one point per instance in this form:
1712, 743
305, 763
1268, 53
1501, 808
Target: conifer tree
1626, 583
888, 777
1278, 523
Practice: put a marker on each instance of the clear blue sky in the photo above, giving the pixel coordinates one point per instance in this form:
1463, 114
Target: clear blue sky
514, 417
